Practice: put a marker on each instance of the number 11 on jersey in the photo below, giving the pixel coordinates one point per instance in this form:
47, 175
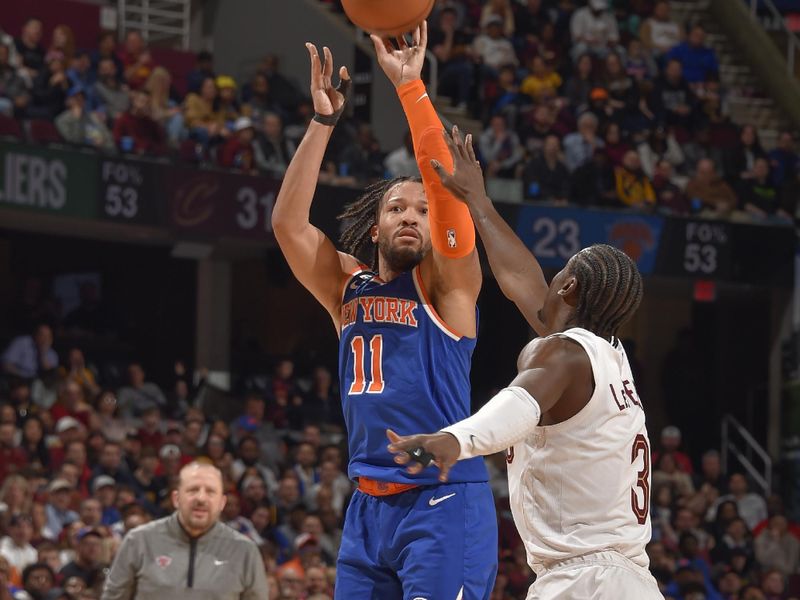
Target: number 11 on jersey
359, 385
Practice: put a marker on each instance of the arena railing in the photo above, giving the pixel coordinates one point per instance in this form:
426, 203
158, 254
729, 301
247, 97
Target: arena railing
743, 449
792, 42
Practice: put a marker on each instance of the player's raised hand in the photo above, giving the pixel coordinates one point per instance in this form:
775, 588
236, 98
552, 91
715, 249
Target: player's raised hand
402, 64
419, 451
328, 100
466, 181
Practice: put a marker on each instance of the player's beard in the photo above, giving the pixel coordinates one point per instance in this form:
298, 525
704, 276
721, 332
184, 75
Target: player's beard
403, 258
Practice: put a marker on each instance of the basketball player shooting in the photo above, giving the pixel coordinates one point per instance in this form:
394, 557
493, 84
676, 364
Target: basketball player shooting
571, 422
402, 299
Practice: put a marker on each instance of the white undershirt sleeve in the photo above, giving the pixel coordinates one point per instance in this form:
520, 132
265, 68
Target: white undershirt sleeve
506, 419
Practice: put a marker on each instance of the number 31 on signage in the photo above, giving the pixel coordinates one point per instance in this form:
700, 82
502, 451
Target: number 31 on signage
556, 239
248, 216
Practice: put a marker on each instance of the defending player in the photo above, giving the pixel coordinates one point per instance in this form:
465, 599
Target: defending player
407, 325
574, 428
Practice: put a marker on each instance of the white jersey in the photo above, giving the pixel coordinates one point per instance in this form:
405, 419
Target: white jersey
583, 485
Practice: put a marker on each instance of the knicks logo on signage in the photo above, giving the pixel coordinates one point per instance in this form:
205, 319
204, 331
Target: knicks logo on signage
193, 203
634, 237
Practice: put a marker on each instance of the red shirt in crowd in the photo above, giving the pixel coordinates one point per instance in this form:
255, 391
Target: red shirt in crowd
148, 136
682, 460
11, 461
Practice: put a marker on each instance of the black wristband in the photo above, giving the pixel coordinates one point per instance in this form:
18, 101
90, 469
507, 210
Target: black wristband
331, 120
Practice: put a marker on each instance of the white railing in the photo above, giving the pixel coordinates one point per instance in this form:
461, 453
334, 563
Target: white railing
792, 42
157, 20
738, 442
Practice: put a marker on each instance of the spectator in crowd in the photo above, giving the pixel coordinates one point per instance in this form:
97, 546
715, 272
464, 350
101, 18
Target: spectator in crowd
62, 44
633, 187
107, 418
401, 162
505, 97
580, 84
76, 371
283, 89
363, 159
776, 548
492, 48
59, 515
751, 507
16, 546
783, 160
200, 114
670, 443
594, 30
659, 33
163, 109
639, 64
740, 161
38, 580
758, 196
615, 147
14, 95
238, 150
273, 150
580, 146
698, 60
80, 73
78, 125
592, 182
500, 148
136, 60
203, 69
710, 192
227, 102
49, 91
135, 131
29, 49
673, 102
87, 564
260, 101
502, 9
110, 94
546, 177
31, 356
33, 444
543, 81
106, 46
451, 46
139, 394
660, 144
710, 472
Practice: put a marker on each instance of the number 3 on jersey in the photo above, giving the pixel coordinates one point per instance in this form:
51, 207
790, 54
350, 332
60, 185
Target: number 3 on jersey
359, 385
640, 446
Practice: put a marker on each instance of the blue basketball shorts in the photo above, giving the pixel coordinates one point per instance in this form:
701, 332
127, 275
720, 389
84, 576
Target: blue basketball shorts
434, 542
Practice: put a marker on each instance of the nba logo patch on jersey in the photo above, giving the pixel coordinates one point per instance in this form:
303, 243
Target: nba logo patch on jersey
451, 238
164, 561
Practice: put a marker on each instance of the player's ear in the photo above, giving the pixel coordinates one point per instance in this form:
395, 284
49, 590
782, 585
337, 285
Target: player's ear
373, 234
174, 496
569, 290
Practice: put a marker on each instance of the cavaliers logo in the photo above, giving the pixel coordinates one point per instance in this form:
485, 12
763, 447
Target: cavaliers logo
193, 203
634, 237
163, 561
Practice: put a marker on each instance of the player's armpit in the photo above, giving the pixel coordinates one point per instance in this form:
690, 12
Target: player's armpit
452, 230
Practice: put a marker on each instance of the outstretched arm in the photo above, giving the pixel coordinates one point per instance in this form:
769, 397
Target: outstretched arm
517, 271
452, 273
546, 369
311, 255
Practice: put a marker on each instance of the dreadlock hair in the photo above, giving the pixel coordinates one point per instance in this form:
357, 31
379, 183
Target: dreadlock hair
359, 217
609, 289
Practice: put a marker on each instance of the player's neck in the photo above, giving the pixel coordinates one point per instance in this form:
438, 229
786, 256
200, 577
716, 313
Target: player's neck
386, 272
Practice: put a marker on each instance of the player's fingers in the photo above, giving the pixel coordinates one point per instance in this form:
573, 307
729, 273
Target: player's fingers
444, 176
448, 139
458, 143
402, 44
393, 438
327, 68
380, 47
423, 34
315, 70
470, 149
415, 36
414, 468
444, 470
402, 459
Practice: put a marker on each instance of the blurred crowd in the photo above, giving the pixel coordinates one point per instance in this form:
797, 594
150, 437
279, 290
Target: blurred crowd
608, 103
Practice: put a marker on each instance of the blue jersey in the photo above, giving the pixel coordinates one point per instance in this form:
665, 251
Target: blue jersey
400, 367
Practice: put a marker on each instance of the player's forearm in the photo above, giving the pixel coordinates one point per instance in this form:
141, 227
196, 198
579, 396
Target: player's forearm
293, 205
517, 271
452, 231
505, 420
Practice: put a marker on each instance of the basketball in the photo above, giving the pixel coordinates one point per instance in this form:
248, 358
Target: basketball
387, 18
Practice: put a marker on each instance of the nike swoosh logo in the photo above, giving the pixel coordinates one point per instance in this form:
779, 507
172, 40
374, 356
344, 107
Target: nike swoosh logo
435, 501
425, 95
218, 563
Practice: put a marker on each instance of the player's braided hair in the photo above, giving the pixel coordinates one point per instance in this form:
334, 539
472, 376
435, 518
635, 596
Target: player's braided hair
609, 289
361, 214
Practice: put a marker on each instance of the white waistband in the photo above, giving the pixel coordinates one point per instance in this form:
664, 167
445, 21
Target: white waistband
603, 557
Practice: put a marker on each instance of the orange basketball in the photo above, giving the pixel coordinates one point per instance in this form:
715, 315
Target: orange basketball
387, 18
